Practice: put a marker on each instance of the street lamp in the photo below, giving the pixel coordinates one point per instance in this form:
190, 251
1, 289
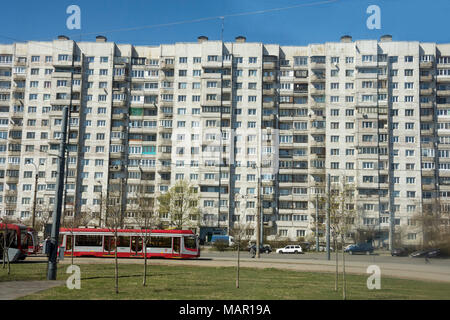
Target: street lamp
258, 214
36, 174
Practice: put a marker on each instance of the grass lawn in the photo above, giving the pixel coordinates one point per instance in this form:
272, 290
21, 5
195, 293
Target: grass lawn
209, 283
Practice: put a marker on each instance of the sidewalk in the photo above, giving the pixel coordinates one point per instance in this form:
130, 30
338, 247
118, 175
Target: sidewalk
11, 290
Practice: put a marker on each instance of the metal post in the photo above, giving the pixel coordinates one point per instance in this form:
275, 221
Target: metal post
52, 268
33, 219
100, 214
317, 223
328, 217
258, 220
391, 229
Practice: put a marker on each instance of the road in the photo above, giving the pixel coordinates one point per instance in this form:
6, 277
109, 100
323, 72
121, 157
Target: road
437, 270
372, 258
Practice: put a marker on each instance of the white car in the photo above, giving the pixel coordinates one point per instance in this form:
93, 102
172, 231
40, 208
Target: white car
290, 249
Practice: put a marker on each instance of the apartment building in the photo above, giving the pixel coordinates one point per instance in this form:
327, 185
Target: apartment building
227, 117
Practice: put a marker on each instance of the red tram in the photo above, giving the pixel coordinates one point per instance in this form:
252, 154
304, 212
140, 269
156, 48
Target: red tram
17, 241
101, 243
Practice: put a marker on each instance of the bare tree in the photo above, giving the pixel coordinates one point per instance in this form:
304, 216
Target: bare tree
44, 215
7, 239
180, 203
434, 225
342, 216
145, 218
239, 232
114, 220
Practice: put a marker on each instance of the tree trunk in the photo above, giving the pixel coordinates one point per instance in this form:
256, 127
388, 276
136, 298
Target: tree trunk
144, 247
72, 243
238, 258
336, 278
344, 289
116, 270
4, 248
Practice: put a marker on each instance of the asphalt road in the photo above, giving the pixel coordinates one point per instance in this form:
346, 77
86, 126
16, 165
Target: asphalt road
372, 258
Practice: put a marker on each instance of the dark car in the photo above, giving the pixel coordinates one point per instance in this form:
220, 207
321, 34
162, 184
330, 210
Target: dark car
263, 248
366, 248
426, 253
399, 252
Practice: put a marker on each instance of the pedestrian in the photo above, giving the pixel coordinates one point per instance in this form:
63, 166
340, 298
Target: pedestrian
426, 259
253, 252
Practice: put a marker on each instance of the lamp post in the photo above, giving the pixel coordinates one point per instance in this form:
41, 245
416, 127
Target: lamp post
56, 219
36, 175
258, 214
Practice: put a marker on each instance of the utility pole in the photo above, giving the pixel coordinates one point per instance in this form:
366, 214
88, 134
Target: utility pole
33, 219
258, 219
317, 223
258, 213
328, 216
52, 267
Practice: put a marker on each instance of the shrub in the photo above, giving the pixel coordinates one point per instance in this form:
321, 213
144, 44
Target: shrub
220, 245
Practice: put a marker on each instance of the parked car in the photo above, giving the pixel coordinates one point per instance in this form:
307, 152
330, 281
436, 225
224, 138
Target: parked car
366, 248
399, 252
426, 253
262, 248
290, 249
306, 246
324, 248
228, 239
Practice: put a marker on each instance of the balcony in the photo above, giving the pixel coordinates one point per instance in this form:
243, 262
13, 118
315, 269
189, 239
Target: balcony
441, 92
317, 77
317, 65
269, 78
19, 76
119, 103
269, 65
315, 91
426, 78
120, 78
443, 79
167, 64
426, 104
20, 62
426, 64
427, 92
269, 92
269, 104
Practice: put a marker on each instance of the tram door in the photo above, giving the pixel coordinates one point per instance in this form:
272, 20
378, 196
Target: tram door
136, 246
176, 244
109, 245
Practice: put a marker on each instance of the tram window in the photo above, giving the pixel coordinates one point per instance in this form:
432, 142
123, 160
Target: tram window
83, 240
24, 239
11, 237
1, 242
160, 242
190, 243
69, 242
123, 241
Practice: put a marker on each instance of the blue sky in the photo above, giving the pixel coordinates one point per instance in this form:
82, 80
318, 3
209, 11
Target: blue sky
405, 19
